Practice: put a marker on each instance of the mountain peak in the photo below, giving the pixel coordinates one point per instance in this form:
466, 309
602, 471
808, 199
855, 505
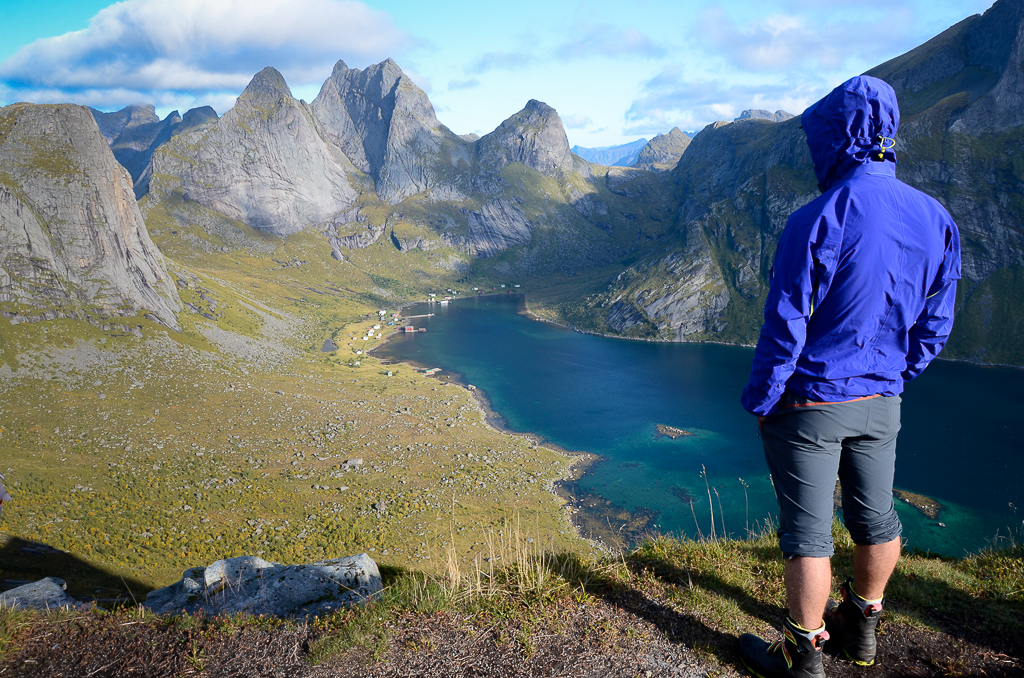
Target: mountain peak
663, 151
376, 116
534, 136
761, 114
268, 83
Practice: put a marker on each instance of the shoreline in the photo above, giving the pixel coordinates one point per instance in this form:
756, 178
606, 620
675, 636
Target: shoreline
576, 504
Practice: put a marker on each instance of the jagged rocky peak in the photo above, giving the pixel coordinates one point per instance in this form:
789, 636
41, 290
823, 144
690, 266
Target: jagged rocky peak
72, 239
264, 163
663, 151
534, 136
384, 123
196, 118
761, 114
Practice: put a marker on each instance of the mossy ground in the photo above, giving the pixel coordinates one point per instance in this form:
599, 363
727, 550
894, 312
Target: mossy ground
671, 607
139, 452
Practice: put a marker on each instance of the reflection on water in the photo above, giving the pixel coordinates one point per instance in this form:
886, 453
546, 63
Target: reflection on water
960, 445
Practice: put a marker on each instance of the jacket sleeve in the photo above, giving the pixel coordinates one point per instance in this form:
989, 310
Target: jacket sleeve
931, 330
786, 313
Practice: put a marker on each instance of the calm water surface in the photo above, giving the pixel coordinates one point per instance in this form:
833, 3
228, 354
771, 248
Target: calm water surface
962, 441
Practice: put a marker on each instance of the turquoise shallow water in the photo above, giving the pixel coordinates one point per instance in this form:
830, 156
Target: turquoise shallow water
962, 441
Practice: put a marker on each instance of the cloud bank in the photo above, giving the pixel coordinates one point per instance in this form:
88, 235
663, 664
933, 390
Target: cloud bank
192, 51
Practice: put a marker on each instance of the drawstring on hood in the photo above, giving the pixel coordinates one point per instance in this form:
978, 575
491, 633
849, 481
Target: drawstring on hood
853, 125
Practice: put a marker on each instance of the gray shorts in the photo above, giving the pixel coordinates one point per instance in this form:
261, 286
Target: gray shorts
807, 445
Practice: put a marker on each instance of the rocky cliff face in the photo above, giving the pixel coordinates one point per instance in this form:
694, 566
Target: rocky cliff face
264, 163
958, 141
386, 126
72, 240
663, 151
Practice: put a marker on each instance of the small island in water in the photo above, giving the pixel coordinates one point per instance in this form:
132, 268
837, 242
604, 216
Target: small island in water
671, 431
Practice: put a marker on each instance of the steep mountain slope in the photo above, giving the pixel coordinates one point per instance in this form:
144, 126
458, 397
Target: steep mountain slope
663, 151
741, 180
264, 163
386, 126
72, 240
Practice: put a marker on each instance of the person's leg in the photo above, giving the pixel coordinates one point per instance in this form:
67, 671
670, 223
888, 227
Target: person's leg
808, 584
866, 473
802, 448
872, 566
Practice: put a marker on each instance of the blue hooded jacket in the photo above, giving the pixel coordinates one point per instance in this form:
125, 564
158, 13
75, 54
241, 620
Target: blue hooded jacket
864, 279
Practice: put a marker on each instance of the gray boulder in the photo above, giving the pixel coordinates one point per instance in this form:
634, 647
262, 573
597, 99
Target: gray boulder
256, 586
43, 595
72, 239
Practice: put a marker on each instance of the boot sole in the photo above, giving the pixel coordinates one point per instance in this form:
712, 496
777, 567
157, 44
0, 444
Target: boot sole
858, 662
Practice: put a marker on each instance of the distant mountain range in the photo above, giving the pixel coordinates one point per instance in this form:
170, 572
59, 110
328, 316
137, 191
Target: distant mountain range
675, 247
623, 155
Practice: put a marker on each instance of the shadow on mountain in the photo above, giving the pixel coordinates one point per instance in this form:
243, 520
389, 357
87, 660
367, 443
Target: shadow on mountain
23, 562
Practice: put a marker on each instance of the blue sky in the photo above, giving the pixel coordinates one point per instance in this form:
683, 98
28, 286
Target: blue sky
614, 71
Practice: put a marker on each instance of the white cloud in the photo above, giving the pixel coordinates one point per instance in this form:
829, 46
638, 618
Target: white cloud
463, 84
511, 61
576, 121
671, 99
194, 49
824, 41
607, 40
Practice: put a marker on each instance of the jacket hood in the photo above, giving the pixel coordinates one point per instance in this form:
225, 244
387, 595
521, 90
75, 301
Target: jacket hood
853, 125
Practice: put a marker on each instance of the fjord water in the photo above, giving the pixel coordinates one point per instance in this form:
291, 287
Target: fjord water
962, 442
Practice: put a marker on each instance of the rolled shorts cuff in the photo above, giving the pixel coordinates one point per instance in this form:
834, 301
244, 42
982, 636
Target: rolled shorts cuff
805, 546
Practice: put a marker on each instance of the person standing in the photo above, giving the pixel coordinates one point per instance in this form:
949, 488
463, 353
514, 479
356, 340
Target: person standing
861, 300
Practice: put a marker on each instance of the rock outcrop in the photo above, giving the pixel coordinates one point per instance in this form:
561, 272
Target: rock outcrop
663, 151
72, 240
45, 595
255, 586
263, 163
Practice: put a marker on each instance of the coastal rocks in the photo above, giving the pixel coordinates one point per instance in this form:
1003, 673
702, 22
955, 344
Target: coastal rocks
671, 431
72, 239
926, 505
263, 163
44, 595
256, 586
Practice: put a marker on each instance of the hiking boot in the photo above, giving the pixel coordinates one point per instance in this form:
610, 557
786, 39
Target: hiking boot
798, 654
851, 624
